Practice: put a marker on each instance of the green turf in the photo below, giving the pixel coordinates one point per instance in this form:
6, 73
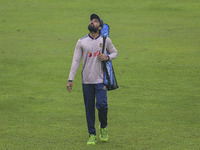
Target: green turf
157, 106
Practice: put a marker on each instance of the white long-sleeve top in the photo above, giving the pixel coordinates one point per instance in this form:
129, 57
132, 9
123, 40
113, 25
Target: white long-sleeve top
88, 49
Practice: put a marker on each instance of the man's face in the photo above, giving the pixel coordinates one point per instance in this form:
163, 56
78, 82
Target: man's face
94, 25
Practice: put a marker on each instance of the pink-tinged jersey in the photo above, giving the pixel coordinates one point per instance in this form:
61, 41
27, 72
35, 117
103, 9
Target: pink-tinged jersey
88, 50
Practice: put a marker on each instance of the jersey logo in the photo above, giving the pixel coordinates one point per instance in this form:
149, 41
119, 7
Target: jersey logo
101, 45
95, 54
89, 54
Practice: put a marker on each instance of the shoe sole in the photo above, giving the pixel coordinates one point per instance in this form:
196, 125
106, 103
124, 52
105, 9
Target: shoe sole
91, 143
103, 140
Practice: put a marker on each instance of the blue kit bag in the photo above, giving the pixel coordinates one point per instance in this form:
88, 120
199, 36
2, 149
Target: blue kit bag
109, 76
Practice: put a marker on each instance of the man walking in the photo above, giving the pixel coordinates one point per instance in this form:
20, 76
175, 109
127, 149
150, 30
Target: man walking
89, 49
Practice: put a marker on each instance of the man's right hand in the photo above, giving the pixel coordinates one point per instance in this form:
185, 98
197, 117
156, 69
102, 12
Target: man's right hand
69, 86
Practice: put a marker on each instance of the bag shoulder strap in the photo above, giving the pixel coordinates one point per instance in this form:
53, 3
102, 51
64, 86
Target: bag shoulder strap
104, 43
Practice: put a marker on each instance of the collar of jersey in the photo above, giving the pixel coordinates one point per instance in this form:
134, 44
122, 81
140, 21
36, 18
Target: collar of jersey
95, 38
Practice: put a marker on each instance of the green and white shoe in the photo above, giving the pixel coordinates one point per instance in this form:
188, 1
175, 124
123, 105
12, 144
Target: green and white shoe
92, 140
103, 134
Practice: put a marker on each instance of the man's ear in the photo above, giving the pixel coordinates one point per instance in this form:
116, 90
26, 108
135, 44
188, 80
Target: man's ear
99, 28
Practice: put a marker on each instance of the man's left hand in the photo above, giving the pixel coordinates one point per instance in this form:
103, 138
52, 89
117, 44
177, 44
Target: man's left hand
103, 57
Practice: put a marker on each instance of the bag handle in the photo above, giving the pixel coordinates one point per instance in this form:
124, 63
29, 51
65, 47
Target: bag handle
104, 43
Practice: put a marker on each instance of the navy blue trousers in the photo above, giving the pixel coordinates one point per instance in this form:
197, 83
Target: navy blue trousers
90, 91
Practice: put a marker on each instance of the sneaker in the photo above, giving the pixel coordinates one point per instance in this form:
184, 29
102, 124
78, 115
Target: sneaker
92, 140
103, 134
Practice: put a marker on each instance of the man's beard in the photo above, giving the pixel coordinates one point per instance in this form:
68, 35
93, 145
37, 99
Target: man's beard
91, 28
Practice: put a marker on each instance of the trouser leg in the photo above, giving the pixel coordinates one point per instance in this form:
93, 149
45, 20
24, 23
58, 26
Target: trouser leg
101, 104
89, 100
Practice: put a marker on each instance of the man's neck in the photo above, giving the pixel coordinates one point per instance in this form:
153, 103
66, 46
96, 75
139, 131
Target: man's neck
94, 35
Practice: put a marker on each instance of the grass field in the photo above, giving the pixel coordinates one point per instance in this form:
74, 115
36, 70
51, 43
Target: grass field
157, 106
